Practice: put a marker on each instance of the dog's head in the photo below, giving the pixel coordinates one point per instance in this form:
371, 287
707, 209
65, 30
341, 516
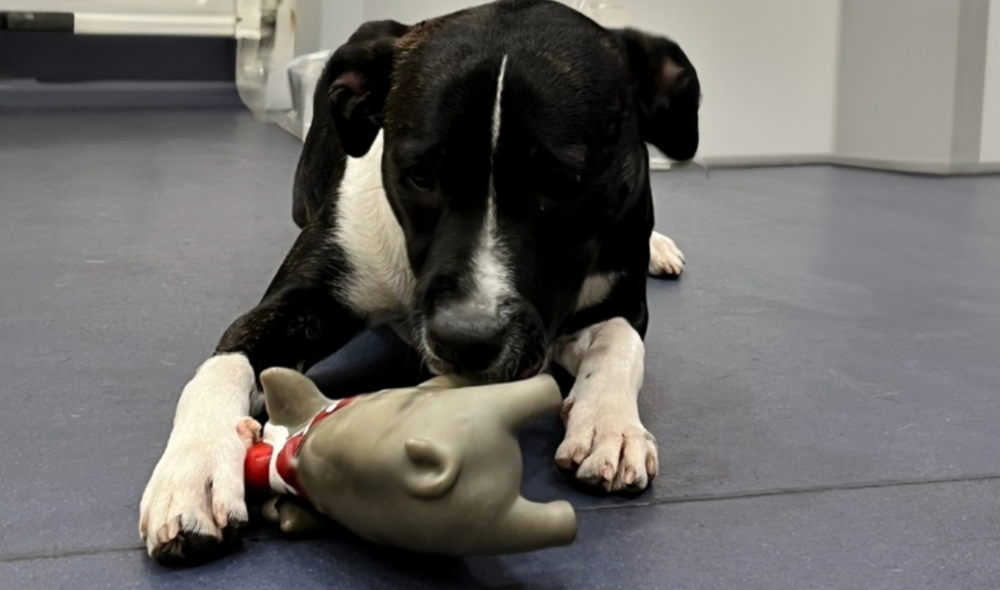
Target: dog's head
513, 147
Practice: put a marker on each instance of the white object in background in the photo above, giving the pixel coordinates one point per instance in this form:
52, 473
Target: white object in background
278, 95
197, 18
303, 73
92, 23
265, 42
612, 15
989, 150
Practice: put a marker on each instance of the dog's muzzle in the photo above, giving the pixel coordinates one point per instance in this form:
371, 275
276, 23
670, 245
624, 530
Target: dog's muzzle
482, 345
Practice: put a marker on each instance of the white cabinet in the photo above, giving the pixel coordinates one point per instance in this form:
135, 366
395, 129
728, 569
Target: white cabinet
201, 18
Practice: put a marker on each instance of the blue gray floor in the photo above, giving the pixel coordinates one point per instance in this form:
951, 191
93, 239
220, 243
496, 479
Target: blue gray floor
824, 381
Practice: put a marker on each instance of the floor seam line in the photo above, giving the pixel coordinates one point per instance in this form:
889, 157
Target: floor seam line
794, 491
690, 499
14, 557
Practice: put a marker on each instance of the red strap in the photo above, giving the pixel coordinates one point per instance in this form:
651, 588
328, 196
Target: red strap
257, 467
284, 463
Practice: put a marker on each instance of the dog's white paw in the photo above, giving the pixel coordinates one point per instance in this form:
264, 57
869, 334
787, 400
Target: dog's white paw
615, 453
665, 258
193, 508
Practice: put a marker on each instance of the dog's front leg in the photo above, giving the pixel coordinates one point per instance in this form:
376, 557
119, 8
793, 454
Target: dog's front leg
193, 506
606, 444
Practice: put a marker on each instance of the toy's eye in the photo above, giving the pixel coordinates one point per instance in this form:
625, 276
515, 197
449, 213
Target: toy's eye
420, 177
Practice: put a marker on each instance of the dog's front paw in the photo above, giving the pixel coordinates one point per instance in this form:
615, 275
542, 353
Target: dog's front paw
665, 258
615, 454
193, 509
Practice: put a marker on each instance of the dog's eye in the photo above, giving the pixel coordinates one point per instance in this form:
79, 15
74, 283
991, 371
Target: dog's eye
420, 178
560, 190
564, 179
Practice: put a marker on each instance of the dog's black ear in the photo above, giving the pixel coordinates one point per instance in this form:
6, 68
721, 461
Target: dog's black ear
669, 93
358, 76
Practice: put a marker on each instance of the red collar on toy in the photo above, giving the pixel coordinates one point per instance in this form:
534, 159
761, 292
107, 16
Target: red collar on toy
257, 466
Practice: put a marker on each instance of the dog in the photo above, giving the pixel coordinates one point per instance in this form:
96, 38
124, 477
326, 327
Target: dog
481, 181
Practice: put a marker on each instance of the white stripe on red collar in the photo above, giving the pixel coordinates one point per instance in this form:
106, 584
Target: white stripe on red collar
278, 436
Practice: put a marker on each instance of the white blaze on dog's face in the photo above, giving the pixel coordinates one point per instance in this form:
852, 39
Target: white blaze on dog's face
491, 274
514, 163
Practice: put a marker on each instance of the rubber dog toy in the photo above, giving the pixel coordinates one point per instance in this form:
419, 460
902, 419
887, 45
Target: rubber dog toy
433, 469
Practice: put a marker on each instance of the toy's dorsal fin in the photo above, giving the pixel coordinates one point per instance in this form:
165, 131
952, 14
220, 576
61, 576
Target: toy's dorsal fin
291, 398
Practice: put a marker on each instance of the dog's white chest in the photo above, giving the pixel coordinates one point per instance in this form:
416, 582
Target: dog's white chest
380, 280
596, 289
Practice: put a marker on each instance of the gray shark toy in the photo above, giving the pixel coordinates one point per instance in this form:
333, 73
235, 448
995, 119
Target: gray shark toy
434, 468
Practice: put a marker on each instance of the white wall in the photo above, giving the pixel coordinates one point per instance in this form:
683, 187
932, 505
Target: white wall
989, 151
324, 24
868, 82
412, 11
894, 105
767, 67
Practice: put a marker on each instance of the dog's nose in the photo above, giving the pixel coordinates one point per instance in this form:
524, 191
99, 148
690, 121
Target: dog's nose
470, 341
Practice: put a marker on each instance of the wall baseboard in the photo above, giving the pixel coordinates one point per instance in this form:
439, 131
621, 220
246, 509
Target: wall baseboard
910, 167
766, 160
28, 94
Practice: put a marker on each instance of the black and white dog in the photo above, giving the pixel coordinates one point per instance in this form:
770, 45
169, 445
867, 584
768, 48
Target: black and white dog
480, 179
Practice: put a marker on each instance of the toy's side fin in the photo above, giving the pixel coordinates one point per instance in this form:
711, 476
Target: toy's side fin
300, 519
294, 516
432, 471
292, 399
